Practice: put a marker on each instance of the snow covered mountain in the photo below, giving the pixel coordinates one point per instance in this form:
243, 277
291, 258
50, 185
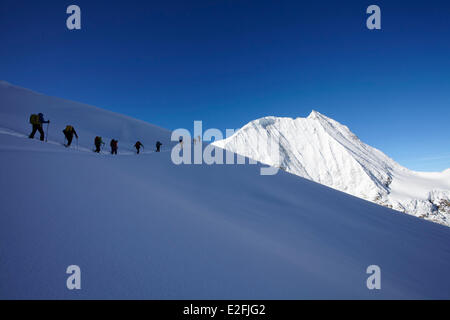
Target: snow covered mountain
325, 151
141, 227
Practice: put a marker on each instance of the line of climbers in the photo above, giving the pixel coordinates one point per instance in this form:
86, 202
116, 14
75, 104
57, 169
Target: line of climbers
37, 120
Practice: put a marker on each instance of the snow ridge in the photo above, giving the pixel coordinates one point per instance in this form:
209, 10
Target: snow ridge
323, 150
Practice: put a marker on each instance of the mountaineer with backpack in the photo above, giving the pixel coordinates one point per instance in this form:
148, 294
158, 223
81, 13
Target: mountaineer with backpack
69, 131
36, 120
158, 146
98, 142
114, 146
138, 146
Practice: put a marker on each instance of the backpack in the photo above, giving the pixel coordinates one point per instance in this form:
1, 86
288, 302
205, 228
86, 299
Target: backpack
34, 119
98, 140
68, 129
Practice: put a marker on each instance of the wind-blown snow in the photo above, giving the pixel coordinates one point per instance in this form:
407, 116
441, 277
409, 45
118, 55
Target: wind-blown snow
142, 227
321, 149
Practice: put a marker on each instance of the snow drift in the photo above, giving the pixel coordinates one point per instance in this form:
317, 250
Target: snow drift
322, 150
142, 227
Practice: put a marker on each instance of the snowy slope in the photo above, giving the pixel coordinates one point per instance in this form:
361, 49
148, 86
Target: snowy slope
142, 227
17, 104
323, 150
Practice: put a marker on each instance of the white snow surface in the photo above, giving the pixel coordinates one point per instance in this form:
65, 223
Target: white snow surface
323, 150
140, 227
17, 104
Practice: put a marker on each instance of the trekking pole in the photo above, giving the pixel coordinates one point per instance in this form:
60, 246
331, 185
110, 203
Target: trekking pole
46, 136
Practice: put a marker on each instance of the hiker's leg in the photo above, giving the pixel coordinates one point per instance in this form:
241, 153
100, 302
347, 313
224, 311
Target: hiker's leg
69, 140
41, 132
33, 132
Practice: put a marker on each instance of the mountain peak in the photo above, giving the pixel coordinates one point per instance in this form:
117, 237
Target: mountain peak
314, 114
317, 115
325, 151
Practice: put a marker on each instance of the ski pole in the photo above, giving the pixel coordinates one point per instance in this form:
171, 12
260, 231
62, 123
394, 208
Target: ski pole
46, 136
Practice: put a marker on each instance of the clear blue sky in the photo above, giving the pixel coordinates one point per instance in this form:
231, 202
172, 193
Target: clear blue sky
230, 62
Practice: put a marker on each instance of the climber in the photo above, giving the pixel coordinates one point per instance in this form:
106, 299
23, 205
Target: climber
98, 144
36, 120
69, 131
158, 146
138, 146
114, 146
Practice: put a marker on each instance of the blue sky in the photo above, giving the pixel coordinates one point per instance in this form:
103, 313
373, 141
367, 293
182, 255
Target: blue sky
230, 62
